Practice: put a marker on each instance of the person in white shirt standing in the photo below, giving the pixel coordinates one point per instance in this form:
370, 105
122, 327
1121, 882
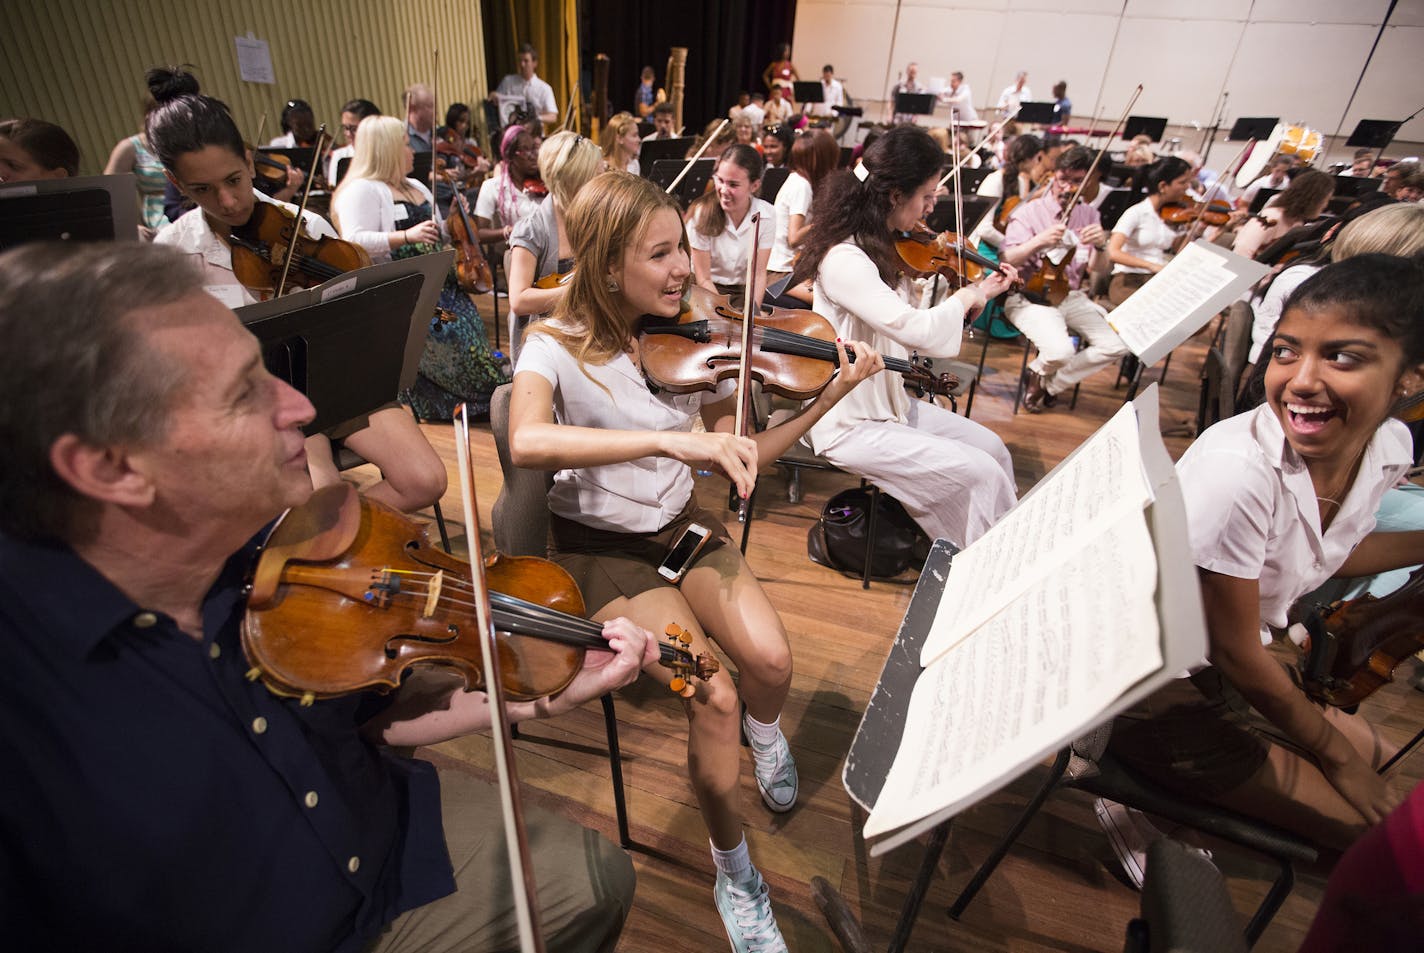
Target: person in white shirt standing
538, 95
1014, 94
832, 93
959, 98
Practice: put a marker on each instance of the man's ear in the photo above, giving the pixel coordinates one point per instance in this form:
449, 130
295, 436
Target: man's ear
105, 474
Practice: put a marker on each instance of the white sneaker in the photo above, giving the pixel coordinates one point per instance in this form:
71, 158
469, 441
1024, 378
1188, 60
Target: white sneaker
775, 771
1130, 834
746, 915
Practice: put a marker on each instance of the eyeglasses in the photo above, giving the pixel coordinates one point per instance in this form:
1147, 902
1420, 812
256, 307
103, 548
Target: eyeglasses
349, 129
1071, 182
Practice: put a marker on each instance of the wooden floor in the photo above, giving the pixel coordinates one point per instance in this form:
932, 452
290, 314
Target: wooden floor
1058, 890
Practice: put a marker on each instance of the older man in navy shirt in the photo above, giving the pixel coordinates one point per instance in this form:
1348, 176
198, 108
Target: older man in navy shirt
155, 798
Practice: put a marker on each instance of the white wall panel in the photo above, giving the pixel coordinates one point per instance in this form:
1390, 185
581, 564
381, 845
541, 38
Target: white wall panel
1054, 46
1408, 13
1299, 72
1180, 78
1319, 11
1187, 10
942, 41
1393, 86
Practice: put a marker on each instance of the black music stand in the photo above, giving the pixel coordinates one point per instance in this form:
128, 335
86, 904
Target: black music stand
342, 165
1375, 134
974, 207
914, 104
1258, 128
969, 179
656, 150
771, 182
1150, 126
807, 93
353, 344
1036, 113
1115, 203
693, 184
1263, 195
93, 208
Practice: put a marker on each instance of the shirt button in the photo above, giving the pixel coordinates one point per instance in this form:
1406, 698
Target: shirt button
214, 650
354, 864
259, 725
145, 620
310, 801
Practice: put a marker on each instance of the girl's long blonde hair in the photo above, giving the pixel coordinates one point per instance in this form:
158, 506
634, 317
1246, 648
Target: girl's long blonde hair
609, 216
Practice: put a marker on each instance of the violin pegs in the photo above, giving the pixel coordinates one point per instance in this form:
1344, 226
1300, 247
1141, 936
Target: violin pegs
678, 685
672, 630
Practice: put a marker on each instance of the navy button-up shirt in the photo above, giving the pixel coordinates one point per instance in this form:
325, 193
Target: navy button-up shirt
154, 798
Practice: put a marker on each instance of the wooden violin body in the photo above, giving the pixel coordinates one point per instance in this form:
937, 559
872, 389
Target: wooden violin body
794, 351
1355, 646
472, 269
1186, 213
347, 595
260, 249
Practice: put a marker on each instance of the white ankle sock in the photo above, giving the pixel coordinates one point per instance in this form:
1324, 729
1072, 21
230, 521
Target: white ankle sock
736, 863
762, 734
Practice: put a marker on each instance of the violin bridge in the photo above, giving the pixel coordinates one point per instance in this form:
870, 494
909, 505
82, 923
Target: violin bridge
432, 595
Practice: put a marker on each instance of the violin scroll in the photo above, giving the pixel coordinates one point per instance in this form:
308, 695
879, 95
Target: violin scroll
683, 663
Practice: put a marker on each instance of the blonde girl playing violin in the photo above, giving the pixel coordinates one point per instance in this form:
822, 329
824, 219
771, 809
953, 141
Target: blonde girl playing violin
624, 451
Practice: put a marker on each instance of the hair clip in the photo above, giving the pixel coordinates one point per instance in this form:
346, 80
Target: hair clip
862, 172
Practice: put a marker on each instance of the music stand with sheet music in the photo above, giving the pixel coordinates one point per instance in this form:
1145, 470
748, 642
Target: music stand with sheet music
1034, 112
1258, 128
1375, 134
91, 208
653, 151
881, 731
1150, 126
354, 343
914, 104
693, 184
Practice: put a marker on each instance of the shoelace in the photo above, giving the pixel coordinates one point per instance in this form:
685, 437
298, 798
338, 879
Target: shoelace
768, 761
752, 909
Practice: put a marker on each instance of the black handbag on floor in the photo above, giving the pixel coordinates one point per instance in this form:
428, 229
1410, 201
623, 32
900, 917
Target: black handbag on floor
838, 538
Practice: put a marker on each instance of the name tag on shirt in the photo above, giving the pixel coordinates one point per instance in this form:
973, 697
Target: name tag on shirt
402, 213
231, 295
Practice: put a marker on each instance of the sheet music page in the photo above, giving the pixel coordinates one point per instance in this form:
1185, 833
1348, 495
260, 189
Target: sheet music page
1177, 301
1094, 488
1034, 676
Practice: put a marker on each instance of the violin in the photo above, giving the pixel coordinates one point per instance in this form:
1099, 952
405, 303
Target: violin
449, 142
534, 186
1354, 646
555, 280
348, 594
271, 169
261, 247
793, 354
925, 253
472, 270
1185, 213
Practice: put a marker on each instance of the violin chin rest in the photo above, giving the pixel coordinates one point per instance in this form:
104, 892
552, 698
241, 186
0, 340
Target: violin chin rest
322, 528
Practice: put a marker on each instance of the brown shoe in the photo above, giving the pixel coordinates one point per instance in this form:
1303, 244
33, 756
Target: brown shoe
1035, 394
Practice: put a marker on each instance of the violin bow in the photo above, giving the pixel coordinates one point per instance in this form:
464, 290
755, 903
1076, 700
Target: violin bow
958, 195
1117, 127
696, 155
989, 137
744, 365
435, 95
1206, 198
521, 868
300, 220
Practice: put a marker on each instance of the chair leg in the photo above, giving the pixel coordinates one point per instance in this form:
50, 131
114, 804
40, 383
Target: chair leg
978, 374
1001, 850
615, 765
439, 513
793, 485
869, 534
1166, 363
1270, 903
1023, 369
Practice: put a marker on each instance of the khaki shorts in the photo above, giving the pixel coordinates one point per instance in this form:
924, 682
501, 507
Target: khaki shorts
607, 564
1196, 734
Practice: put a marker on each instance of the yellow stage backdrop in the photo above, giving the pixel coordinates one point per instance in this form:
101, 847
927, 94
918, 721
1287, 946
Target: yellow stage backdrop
80, 63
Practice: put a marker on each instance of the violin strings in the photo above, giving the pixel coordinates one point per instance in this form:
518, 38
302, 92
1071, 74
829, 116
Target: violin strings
507, 604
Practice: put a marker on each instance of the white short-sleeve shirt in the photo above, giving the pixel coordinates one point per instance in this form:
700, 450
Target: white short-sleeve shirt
1252, 511
793, 199
1148, 237
728, 250
638, 496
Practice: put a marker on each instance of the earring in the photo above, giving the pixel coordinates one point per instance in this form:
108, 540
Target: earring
612, 286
